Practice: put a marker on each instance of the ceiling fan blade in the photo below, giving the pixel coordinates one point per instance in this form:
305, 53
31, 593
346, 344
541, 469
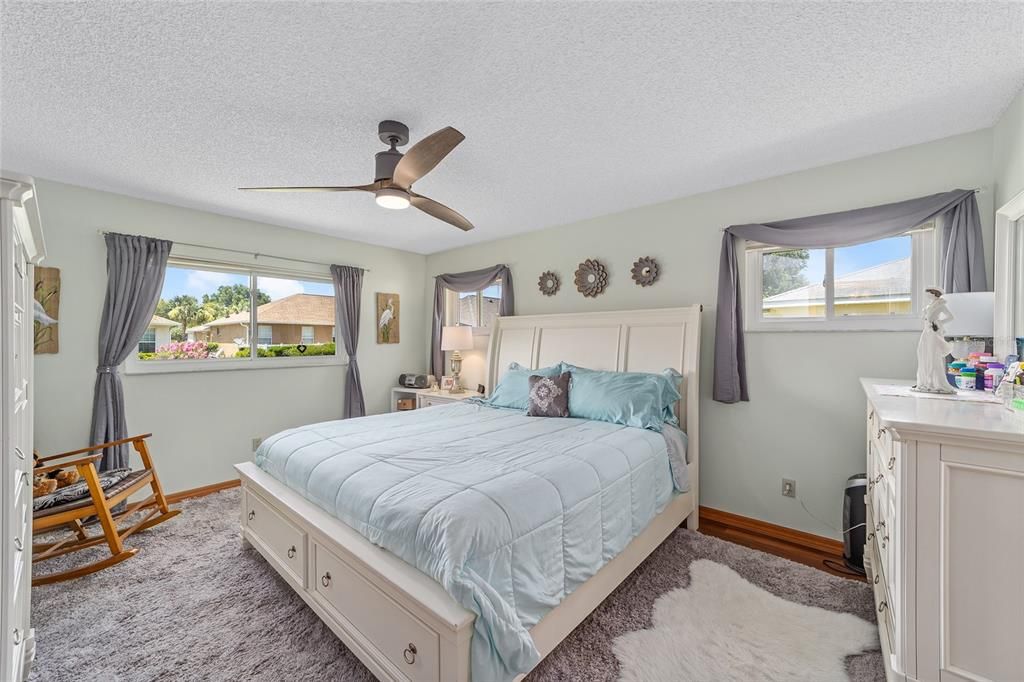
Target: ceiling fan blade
355, 188
440, 211
424, 155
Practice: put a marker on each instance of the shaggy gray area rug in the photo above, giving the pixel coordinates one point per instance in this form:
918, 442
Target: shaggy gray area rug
194, 605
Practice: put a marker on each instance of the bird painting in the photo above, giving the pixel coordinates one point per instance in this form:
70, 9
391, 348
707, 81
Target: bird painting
387, 318
45, 308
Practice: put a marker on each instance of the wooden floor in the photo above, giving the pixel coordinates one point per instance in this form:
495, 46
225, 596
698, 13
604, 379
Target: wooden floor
813, 550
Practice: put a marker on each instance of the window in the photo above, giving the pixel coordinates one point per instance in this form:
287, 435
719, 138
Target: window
876, 285
207, 313
148, 342
264, 335
474, 308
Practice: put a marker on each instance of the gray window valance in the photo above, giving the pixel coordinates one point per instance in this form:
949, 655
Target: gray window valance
963, 261
474, 280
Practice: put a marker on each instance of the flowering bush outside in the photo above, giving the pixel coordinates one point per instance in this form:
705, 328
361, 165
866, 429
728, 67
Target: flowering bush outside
184, 350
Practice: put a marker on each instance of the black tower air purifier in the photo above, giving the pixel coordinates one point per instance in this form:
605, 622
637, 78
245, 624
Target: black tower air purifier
854, 522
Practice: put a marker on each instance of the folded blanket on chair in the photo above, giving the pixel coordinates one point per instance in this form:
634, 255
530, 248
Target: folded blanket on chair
77, 491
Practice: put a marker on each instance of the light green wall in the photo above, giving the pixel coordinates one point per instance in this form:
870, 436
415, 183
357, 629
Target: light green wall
806, 415
203, 423
1008, 151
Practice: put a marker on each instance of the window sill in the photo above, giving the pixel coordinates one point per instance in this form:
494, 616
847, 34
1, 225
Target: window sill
906, 325
130, 368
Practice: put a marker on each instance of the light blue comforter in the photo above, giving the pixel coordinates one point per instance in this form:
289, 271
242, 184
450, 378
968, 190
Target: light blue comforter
508, 513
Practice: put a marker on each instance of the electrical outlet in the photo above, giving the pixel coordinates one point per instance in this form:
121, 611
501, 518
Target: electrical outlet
256, 443
788, 487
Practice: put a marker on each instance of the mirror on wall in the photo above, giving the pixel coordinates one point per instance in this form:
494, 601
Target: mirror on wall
1009, 276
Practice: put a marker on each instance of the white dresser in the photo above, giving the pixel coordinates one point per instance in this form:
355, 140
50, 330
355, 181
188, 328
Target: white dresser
21, 245
945, 543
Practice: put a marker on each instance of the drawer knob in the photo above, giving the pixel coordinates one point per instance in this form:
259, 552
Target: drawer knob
882, 607
252, 514
876, 579
19, 453
879, 477
325, 579
880, 432
880, 525
410, 653
885, 540
17, 544
291, 552
871, 536
16, 636
892, 462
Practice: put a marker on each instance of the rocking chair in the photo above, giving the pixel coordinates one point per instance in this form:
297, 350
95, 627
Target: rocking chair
99, 503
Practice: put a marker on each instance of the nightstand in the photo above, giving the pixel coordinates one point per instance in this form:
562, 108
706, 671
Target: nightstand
424, 397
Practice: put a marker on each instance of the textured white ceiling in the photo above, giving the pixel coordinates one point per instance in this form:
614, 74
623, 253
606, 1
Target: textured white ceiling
570, 110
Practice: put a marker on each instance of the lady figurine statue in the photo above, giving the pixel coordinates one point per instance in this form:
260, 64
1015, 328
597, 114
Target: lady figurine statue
933, 348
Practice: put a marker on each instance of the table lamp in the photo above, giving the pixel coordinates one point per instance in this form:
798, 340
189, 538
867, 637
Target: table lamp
972, 321
456, 339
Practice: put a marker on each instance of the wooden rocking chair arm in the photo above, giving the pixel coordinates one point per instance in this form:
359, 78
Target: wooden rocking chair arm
93, 448
89, 459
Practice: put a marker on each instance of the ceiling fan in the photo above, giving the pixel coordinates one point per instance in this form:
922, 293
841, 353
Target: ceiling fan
396, 172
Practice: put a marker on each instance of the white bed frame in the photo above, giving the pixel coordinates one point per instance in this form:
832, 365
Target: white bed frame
401, 624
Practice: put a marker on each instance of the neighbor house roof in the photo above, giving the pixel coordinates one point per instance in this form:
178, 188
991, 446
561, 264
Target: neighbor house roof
158, 321
307, 309
886, 281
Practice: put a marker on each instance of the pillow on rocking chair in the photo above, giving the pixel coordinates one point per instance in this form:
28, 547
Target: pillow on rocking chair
77, 491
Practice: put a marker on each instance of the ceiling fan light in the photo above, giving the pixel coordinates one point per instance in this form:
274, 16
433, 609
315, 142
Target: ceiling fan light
392, 198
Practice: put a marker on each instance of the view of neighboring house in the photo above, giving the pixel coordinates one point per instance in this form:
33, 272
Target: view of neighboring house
882, 289
158, 334
300, 318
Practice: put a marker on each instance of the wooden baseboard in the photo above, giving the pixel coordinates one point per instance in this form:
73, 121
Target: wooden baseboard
806, 548
202, 490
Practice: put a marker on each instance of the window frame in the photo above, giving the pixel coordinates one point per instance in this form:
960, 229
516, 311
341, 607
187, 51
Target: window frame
133, 365
138, 346
924, 269
451, 305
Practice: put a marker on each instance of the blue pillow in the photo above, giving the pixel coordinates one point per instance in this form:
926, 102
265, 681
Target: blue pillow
514, 388
639, 399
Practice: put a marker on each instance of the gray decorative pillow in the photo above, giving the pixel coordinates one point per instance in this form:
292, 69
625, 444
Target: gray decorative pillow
549, 396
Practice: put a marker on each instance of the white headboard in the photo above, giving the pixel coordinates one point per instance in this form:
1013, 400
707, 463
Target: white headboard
623, 341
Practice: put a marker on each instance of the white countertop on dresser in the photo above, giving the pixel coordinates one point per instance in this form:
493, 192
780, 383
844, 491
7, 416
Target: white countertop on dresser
988, 421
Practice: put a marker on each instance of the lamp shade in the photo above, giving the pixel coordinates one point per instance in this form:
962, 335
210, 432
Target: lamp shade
972, 314
457, 338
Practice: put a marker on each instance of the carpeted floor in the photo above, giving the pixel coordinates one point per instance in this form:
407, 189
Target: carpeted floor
193, 605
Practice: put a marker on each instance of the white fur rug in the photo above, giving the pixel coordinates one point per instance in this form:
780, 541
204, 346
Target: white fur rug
721, 627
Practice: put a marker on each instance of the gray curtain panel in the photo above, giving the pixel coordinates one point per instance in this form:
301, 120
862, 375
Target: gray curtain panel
135, 276
963, 262
466, 281
348, 290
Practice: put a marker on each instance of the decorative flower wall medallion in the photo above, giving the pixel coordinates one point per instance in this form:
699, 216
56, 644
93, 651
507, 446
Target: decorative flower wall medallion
645, 271
549, 283
591, 278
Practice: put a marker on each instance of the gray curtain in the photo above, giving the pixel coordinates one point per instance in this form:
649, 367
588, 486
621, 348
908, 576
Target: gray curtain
135, 276
466, 281
348, 290
963, 261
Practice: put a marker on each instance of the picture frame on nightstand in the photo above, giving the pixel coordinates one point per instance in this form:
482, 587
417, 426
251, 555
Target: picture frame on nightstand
447, 383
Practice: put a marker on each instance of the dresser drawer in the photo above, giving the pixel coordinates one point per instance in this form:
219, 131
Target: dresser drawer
407, 643
284, 540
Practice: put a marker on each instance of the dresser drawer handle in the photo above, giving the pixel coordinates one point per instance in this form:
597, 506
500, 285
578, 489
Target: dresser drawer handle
892, 462
882, 607
878, 435
880, 525
871, 536
325, 579
876, 579
252, 514
879, 477
17, 544
291, 552
410, 654
16, 636
19, 453
885, 541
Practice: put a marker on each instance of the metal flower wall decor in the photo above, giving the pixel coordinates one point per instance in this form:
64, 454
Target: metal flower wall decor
591, 278
549, 283
645, 271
